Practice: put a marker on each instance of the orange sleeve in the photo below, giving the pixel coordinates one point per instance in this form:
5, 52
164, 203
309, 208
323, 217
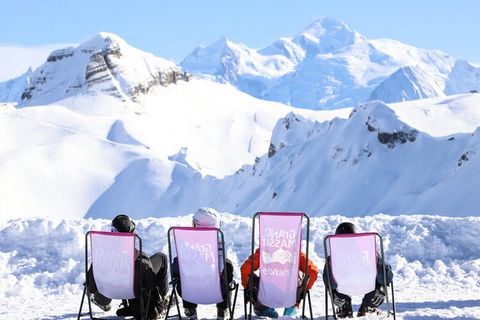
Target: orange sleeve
246, 267
312, 270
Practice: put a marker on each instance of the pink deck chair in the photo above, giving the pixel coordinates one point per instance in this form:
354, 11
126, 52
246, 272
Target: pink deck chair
200, 252
353, 260
112, 257
280, 239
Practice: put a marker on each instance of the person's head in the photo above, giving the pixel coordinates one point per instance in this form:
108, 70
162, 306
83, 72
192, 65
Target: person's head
346, 228
206, 217
123, 223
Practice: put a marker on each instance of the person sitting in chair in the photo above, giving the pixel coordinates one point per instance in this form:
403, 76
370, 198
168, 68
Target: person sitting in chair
205, 217
372, 300
264, 311
154, 279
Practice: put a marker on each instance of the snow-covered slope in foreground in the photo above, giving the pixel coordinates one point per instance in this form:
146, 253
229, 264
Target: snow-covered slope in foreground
65, 157
188, 145
435, 261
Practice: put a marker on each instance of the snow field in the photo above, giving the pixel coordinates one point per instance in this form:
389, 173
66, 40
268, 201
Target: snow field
435, 261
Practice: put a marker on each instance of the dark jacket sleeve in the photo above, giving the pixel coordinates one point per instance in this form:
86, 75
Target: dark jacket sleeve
175, 268
325, 277
388, 271
148, 274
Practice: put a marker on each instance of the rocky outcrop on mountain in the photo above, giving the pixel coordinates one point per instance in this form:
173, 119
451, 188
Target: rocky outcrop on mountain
372, 162
104, 64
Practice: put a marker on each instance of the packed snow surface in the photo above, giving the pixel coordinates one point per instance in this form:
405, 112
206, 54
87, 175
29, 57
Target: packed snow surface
435, 260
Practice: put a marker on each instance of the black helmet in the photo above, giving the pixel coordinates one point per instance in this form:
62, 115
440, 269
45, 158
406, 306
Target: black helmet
346, 228
123, 223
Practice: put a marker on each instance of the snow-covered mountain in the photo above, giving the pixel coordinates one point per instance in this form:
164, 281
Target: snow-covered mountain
200, 143
416, 82
87, 152
325, 66
375, 161
328, 65
11, 90
102, 64
105, 127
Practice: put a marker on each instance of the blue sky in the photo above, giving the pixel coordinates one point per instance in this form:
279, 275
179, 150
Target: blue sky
173, 28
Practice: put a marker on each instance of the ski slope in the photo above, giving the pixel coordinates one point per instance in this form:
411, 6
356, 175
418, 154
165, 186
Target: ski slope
68, 154
436, 262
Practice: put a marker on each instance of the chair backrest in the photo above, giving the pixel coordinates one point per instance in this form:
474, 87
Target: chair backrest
199, 260
353, 262
113, 263
280, 237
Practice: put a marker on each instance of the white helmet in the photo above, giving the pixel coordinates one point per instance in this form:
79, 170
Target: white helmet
206, 217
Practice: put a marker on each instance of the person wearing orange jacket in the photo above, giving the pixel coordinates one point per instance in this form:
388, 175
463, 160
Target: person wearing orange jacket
264, 311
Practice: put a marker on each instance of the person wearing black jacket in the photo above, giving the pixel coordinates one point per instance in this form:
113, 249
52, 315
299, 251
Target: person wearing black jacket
154, 279
372, 300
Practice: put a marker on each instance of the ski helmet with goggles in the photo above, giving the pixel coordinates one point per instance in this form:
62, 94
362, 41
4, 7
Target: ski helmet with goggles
123, 223
206, 217
346, 228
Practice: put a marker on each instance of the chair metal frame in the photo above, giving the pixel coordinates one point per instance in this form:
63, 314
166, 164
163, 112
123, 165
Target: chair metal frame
175, 281
86, 283
329, 290
306, 293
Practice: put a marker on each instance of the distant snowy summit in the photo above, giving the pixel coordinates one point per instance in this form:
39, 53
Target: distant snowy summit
325, 66
103, 64
328, 65
424, 81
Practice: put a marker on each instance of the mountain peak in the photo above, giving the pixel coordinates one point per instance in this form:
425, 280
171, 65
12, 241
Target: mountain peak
105, 64
326, 35
223, 41
327, 23
103, 40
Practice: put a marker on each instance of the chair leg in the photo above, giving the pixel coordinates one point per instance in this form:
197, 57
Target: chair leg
232, 307
393, 303
303, 309
90, 308
178, 307
170, 303
307, 299
310, 305
81, 303
244, 305
326, 304
250, 305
